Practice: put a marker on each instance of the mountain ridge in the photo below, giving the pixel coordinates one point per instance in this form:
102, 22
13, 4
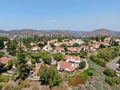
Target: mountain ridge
100, 32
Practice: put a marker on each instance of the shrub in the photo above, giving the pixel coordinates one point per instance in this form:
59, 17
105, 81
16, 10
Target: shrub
89, 71
97, 60
109, 72
82, 65
117, 80
110, 81
1, 53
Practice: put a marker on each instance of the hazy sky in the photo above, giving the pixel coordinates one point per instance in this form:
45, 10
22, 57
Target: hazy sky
81, 15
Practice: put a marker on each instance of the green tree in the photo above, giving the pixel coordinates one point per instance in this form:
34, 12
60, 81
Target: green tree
1, 54
64, 46
1, 67
83, 54
35, 56
75, 45
11, 47
110, 81
82, 64
102, 46
9, 65
49, 76
2, 39
22, 67
52, 44
46, 58
58, 56
113, 42
59, 39
109, 72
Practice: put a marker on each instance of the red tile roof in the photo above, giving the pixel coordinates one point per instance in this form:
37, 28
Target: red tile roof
67, 57
4, 60
66, 65
59, 48
76, 58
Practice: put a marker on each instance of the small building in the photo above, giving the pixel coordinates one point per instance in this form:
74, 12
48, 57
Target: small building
73, 59
4, 60
47, 48
59, 49
35, 48
65, 66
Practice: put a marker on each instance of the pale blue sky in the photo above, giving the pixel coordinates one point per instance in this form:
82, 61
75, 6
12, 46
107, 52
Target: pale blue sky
83, 15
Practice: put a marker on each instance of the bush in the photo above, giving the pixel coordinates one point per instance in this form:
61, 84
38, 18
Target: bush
1, 53
58, 56
82, 65
109, 72
117, 80
89, 71
4, 78
97, 60
110, 81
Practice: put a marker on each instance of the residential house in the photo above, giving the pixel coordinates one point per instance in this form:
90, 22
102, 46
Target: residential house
35, 48
59, 49
73, 59
47, 48
4, 60
66, 66
73, 49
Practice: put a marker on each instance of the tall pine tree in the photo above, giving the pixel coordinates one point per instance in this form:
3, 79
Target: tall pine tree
21, 65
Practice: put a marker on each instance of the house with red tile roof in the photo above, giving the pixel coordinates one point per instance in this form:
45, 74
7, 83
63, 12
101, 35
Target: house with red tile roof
47, 48
4, 60
35, 48
73, 59
58, 44
59, 49
74, 49
84, 48
79, 41
32, 44
66, 66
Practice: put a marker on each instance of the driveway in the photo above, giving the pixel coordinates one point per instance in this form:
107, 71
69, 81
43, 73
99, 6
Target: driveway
113, 63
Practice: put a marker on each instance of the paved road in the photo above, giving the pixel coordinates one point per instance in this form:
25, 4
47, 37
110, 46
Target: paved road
113, 63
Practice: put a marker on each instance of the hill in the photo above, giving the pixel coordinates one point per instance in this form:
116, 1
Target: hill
102, 32
27, 32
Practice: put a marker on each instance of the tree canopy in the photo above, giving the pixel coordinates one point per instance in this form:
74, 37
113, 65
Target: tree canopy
49, 76
21, 65
58, 56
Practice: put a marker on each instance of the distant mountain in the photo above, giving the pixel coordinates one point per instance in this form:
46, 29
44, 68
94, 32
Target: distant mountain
102, 32
58, 32
118, 32
98, 32
27, 32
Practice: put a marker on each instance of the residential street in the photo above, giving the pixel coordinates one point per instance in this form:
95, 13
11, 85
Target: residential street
113, 63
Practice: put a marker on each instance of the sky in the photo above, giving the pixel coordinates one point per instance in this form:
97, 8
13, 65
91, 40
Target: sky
83, 15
